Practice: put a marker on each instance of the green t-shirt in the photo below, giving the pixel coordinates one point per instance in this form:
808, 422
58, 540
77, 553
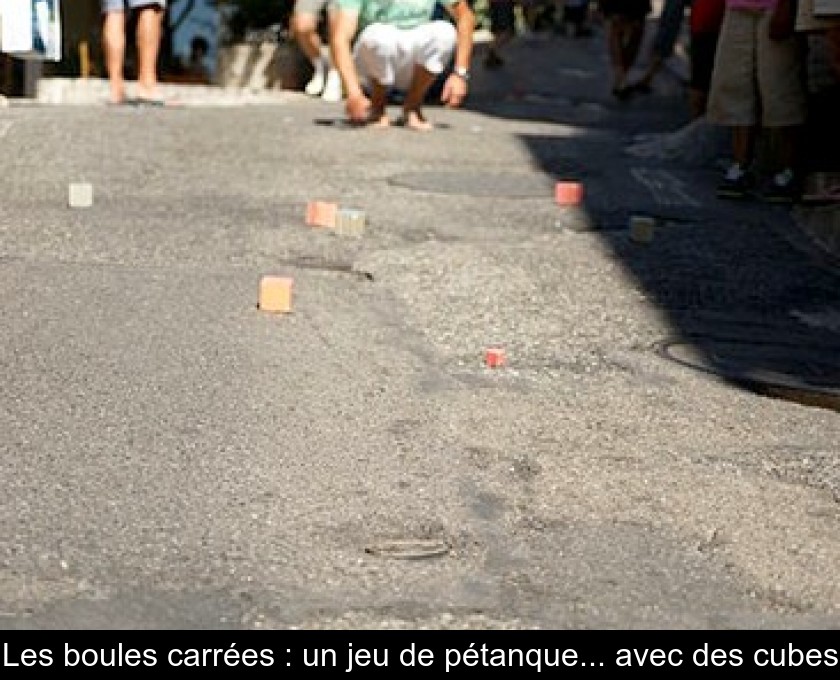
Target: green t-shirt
399, 13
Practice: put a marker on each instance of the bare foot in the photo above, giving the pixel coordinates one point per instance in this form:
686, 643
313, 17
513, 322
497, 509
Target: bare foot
116, 96
414, 120
379, 119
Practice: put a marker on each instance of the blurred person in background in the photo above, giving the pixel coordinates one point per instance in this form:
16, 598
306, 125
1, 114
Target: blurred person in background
667, 31
758, 85
706, 22
401, 45
149, 30
306, 17
625, 30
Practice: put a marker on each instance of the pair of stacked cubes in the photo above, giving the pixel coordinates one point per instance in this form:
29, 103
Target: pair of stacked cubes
640, 227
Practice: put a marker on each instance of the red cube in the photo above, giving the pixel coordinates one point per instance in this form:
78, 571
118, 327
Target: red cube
494, 357
568, 193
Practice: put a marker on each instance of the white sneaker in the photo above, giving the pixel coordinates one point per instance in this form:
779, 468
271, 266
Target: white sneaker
333, 91
316, 85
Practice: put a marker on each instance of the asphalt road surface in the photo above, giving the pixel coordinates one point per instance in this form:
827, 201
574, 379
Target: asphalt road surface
171, 456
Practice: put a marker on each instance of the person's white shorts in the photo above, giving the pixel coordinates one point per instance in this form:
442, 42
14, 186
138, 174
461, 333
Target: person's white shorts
119, 5
311, 8
388, 55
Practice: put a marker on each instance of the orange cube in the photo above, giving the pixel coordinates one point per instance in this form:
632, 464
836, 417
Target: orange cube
568, 193
494, 357
321, 214
276, 294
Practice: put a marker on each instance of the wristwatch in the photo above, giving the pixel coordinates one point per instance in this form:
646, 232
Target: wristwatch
461, 72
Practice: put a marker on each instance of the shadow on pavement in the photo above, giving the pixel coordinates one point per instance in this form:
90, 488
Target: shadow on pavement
745, 301
747, 297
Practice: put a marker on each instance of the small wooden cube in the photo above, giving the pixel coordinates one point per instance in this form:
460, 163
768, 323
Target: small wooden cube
568, 193
81, 195
276, 294
350, 222
494, 357
641, 228
321, 214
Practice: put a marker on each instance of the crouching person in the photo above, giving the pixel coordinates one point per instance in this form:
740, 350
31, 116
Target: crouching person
391, 44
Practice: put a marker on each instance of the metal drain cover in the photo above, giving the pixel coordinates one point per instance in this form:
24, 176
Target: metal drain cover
795, 372
476, 183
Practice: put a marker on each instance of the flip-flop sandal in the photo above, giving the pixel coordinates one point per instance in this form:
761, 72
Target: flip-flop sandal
151, 103
822, 196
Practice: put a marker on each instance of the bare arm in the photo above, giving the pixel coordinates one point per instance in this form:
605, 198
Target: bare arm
343, 28
455, 88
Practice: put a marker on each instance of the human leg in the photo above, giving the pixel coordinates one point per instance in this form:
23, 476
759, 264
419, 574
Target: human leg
733, 99
632, 40
738, 180
149, 28
378, 55
113, 44
614, 37
413, 116
333, 90
667, 30
304, 25
702, 54
431, 47
618, 30
781, 85
743, 144
379, 105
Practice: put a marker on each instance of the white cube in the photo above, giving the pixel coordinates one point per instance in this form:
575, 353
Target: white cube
641, 228
81, 195
350, 222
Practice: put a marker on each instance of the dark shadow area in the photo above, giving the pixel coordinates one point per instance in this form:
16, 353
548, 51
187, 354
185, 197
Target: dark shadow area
746, 302
748, 297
